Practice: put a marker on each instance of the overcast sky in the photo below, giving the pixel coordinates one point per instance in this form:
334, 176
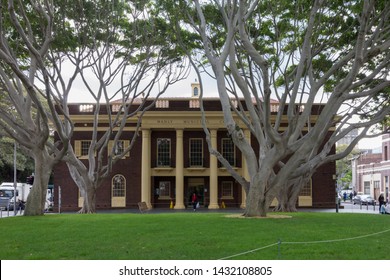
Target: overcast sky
373, 143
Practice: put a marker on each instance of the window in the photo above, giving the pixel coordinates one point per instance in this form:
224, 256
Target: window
386, 153
367, 187
120, 147
196, 91
85, 147
163, 152
81, 148
118, 186
306, 190
228, 151
227, 189
196, 152
165, 189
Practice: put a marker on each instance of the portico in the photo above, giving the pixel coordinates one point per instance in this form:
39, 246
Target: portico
185, 129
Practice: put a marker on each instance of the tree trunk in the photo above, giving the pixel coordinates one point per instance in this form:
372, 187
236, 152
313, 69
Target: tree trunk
257, 203
293, 198
86, 185
36, 200
287, 199
89, 205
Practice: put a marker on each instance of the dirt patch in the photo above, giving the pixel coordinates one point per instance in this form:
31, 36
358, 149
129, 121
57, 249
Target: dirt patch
269, 216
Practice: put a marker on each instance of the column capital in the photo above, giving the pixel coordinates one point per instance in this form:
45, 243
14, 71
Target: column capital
179, 132
145, 132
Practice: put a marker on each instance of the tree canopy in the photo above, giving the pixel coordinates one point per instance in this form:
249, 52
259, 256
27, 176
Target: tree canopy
296, 54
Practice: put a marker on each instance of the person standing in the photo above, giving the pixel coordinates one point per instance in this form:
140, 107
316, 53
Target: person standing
381, 200
194, 200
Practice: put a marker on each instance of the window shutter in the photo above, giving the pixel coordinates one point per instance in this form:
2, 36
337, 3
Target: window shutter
77, 148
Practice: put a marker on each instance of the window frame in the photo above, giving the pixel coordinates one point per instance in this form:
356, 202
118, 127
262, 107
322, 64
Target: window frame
230, 193
195, 154
307, 189
224, 153
125, 144
81, 151
162, 192
122, 184
164, 161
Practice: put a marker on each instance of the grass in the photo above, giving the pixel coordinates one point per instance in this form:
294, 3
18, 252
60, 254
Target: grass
195, 236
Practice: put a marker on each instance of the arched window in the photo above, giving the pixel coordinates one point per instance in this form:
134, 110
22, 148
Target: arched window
118, 186
196, 91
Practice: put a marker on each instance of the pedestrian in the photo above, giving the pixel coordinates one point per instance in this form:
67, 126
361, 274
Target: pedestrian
20, 206
381, 200
350, 196
345, 196
194, 200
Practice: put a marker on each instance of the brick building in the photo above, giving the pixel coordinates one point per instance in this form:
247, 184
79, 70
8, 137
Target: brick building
373, 171
170, 160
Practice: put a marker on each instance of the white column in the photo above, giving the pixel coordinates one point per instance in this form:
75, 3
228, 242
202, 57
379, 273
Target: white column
179, 170
245, 171
145, 169
213, 173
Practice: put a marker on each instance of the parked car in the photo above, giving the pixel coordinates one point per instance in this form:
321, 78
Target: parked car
363, 199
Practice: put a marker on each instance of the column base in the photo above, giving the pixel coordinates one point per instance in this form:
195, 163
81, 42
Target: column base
179, 206
213, 206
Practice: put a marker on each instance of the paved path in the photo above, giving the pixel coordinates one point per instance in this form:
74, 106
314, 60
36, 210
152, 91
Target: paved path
346, 207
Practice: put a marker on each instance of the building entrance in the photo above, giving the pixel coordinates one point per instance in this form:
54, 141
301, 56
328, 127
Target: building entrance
195, 185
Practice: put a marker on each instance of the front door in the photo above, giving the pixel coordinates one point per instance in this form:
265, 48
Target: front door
195, 185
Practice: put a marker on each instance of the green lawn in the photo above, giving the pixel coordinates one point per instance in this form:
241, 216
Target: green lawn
187, 236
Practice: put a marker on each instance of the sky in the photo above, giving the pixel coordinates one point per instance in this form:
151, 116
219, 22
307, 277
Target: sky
182, 88
373, 143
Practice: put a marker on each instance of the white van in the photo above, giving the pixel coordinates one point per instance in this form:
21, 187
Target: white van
7, 194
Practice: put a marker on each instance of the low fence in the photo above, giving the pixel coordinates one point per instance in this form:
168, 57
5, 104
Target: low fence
279, 244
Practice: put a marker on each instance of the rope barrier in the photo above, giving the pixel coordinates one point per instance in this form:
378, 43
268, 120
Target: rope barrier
337, 240
250, 251
279, 243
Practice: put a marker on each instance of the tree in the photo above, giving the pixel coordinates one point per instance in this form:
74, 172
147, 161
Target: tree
114, 41
298, 53
26, 36
121, 56
24, 164
344, 167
